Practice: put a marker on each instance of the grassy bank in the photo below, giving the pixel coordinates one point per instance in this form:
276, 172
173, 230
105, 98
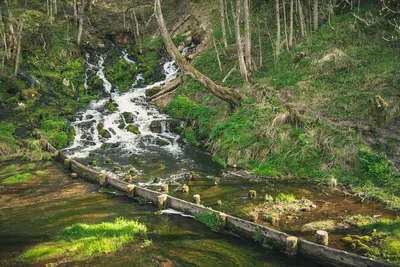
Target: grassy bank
312, 115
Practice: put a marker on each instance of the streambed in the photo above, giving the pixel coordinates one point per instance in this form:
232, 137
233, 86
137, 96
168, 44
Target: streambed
33, 212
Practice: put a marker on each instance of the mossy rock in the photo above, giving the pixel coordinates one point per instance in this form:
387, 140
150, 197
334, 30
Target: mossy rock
132, 129
103, 132
153, 91
133, 171
129, 117
29, 94
319, 225
111, 106
162, 142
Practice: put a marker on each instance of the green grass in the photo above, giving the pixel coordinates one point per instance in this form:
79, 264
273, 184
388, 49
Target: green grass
82, 241
18, 178
381, 237
282, 197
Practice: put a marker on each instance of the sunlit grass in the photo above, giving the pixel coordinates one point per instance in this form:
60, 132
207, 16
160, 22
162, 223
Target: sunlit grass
18, 178
82, 241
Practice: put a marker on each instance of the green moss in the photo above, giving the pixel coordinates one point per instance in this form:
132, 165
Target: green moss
132, 129
207, 218
18, 178
83, 241
110, 106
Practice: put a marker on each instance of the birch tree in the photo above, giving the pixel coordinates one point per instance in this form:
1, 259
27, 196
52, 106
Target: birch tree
239, 45
222, 15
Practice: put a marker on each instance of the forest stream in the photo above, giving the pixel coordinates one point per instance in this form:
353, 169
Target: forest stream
160, 156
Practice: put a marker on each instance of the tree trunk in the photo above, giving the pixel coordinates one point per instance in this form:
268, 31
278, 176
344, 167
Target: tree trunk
17, 59
231, 96
285, 24
291, 25
315, 15
302, 21
51, 12
278, 32
81, 14
227, 18
75, 12
242, 63
222, 11
55, 8
247, 43
216, 51
259, 43
139, 40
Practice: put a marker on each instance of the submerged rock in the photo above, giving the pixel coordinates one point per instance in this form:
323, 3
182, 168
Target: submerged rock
162, 142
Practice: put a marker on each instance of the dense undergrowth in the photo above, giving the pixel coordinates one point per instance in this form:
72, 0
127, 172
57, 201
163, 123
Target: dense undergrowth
309, 115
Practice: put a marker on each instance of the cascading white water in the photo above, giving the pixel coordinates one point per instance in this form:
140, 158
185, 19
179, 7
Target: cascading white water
155, 150
133, 103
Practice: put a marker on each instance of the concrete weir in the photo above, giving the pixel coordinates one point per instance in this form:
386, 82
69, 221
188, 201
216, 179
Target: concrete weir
290, 245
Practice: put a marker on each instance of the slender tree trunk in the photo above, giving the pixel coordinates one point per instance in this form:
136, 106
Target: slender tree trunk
242, 63
247, 43
222, 15
285, 24
139, 40
302, 21
259, 43
315, 15
55, 8
81, 18
19, 38
75, 12
216, 51
291, 25
231, 96
124, 17
227, 17
278, 32
51, 12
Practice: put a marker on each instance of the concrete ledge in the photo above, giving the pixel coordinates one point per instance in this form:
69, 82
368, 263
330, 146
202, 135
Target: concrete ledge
336, 257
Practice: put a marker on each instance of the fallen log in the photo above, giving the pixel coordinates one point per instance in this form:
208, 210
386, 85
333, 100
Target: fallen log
168, 87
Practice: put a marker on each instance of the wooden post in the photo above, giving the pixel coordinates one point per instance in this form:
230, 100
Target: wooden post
196, 199
131, 190
67, 163
219, 202
221, 220
162, 201
185, 189
102, 179
291, 246
322, 237
252, 194
164, 188
74, 175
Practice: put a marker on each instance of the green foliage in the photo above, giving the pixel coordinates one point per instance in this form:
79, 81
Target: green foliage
183, 108
282, 197
375, 168
82, 241
190, 136
6, 132
258, 236
18, 178
207, 218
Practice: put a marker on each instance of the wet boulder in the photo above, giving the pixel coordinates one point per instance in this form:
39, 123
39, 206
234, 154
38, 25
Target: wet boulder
162, 142
103, 132
111, 106
129, 117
